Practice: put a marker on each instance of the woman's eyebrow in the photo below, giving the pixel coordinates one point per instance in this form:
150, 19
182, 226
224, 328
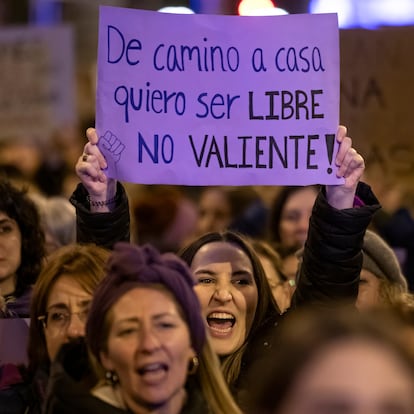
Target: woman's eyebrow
130, 319
6, 220
204, 271
85, 302
136, 319
58, 305
163, 315
61, 305
242, 272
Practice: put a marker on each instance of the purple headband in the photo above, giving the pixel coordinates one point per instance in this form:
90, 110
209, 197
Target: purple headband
130, 266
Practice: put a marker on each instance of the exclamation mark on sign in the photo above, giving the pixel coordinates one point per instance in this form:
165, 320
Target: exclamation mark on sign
330, 141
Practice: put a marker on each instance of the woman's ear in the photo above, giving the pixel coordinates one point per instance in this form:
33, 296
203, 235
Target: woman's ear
192, 353
106, 361
193, 362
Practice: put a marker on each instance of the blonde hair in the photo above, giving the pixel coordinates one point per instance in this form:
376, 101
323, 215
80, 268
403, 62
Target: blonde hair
213, 384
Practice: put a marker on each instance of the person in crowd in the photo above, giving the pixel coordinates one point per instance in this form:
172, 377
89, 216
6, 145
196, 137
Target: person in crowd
395, 221
403, 310
397, 229
335, 362
59, 307
22, 249
289, 216
382, 281
164, 217
288, 225
147, 335
214, 210
22, 154
236, 300
290, 257
239, 209
280, 285
58, 219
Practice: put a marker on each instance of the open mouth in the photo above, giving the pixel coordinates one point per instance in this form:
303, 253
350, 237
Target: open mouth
151, 369
221, 322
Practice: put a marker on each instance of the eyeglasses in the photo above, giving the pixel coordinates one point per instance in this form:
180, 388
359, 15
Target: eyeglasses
59, 319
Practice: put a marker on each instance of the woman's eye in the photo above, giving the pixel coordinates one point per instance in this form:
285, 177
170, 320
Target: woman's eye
292, 216
242, 282
242, 279
58, 316
126, 331
6, 229
205, 280
166, 325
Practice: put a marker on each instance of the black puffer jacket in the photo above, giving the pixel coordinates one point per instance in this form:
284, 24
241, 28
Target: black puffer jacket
332, 257
329, 273
103, 229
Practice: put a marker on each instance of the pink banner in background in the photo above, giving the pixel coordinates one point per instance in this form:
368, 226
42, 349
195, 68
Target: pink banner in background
218, 100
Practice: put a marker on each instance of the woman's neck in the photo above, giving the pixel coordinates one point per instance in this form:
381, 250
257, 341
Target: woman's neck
114, 396
8, 285
173, 406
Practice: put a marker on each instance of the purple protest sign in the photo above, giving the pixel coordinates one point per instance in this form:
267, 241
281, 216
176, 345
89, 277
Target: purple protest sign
218, 100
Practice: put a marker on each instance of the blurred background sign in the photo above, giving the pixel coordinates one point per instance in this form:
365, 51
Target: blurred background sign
37, 80
377, 89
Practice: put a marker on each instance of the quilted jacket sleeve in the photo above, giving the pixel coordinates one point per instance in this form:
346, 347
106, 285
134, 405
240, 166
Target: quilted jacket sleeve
332, 257
103, 229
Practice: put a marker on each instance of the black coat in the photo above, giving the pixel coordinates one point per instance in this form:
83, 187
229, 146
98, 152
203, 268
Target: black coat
332, 257
398, 230
329, 273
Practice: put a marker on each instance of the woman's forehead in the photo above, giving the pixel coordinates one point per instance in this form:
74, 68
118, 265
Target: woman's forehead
4, 216
67, 288
220, 252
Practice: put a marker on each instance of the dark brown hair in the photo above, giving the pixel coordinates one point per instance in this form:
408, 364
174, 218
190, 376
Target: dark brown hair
277, 207
266, 306
15, 203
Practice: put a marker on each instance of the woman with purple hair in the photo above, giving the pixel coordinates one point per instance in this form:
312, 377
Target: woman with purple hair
147, 337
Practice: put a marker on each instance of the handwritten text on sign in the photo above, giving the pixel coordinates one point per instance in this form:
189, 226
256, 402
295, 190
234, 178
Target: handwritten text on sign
203, 99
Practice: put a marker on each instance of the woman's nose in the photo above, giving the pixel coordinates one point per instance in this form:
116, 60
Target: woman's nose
148, 340
76, 327
303, 223
223, 294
